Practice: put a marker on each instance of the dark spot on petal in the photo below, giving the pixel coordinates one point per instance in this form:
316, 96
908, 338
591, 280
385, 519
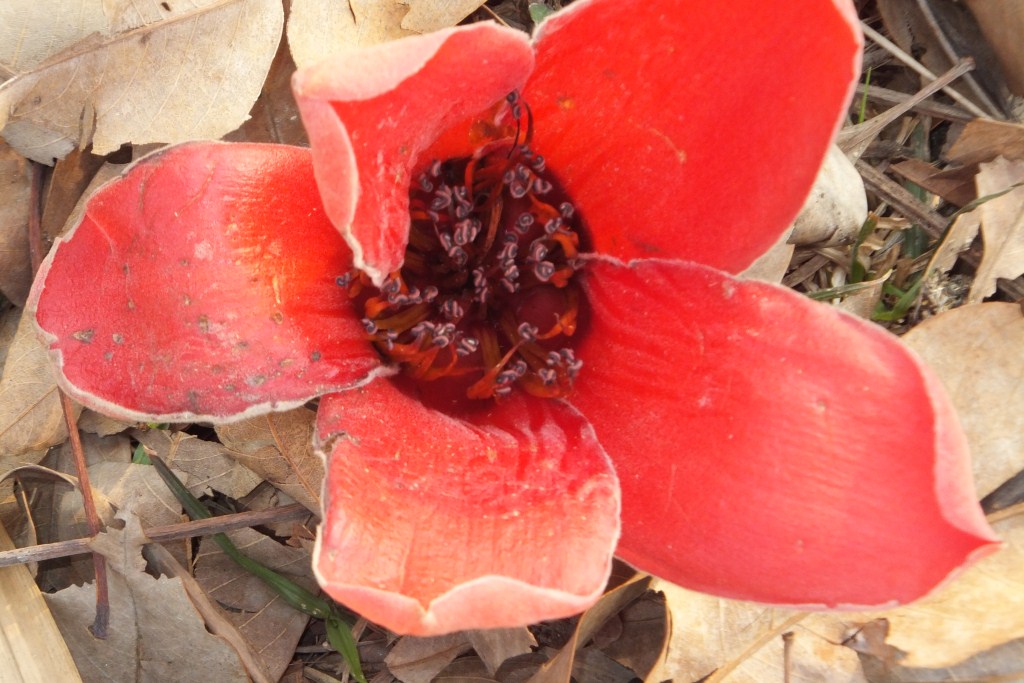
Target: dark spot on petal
255, 380
315, 356
278, 317
84, 336
118, 339
109, 355
183, 262
186, 299
204, 324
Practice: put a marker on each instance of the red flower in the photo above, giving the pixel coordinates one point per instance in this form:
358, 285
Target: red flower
766, 447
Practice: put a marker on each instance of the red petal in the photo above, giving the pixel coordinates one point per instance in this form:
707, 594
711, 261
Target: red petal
374, 110
502, 517
714, 116
201, 286
771, 448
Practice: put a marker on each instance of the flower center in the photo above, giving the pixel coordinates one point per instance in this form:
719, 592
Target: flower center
486, 299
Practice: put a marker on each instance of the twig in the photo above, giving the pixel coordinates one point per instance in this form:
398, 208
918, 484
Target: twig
160, 534
102, 620
916, 66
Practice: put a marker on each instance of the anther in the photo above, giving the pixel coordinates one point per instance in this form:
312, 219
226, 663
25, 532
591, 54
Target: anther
452, 309
527, 332
544, 270
369, 326
541, 186
344, 280
566, 209
467, 345
552, 226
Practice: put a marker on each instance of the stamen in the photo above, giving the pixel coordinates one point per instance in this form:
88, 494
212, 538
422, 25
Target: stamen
485, 299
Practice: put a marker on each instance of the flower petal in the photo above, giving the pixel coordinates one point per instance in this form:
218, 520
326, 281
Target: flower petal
433, 523
771, 448
200, 285
714, 116
370, 112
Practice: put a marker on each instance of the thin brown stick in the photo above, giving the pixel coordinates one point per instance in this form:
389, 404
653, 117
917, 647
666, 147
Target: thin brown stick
99, 625
160, 534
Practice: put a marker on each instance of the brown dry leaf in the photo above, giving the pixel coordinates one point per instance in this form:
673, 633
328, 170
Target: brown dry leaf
30, 415
1002, 226
155, 72
560, 667
156, 633
495, 645
976, 352
271, 628
8, 328
318, 29
419, 660
1002, 23
956, 188
205, 464
984, 140
279, 448
433, 15
742, 642
643, 640
15, 186
981, 609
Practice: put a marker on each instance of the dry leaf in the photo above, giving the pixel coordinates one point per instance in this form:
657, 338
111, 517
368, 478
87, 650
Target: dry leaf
419, 660
561, 666
495, 645
976, 352
318, 29
433, 15
836, 206
279, 448
205, 464
271, 628
157, 72
1002, 23
982, 608
742, 642
954, 186
15, 187
30, 414
984, 140
643, 641
1002, 226
156, 634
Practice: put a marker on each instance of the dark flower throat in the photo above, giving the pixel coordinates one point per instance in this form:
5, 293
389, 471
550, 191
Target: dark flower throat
486, 299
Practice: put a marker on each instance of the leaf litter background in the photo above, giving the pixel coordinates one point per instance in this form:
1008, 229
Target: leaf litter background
97, 84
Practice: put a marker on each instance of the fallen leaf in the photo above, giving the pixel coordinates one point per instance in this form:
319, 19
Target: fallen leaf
279, 448
984, 140
433, 15
419, 660
495, 645
1002, 23
560, 668
269, 625
1002, 226
156, 634
643, 641
31, 419
981, 609
15, 187
976, 352
955, 187
318, 29
206, 464
159, 72
742, 642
